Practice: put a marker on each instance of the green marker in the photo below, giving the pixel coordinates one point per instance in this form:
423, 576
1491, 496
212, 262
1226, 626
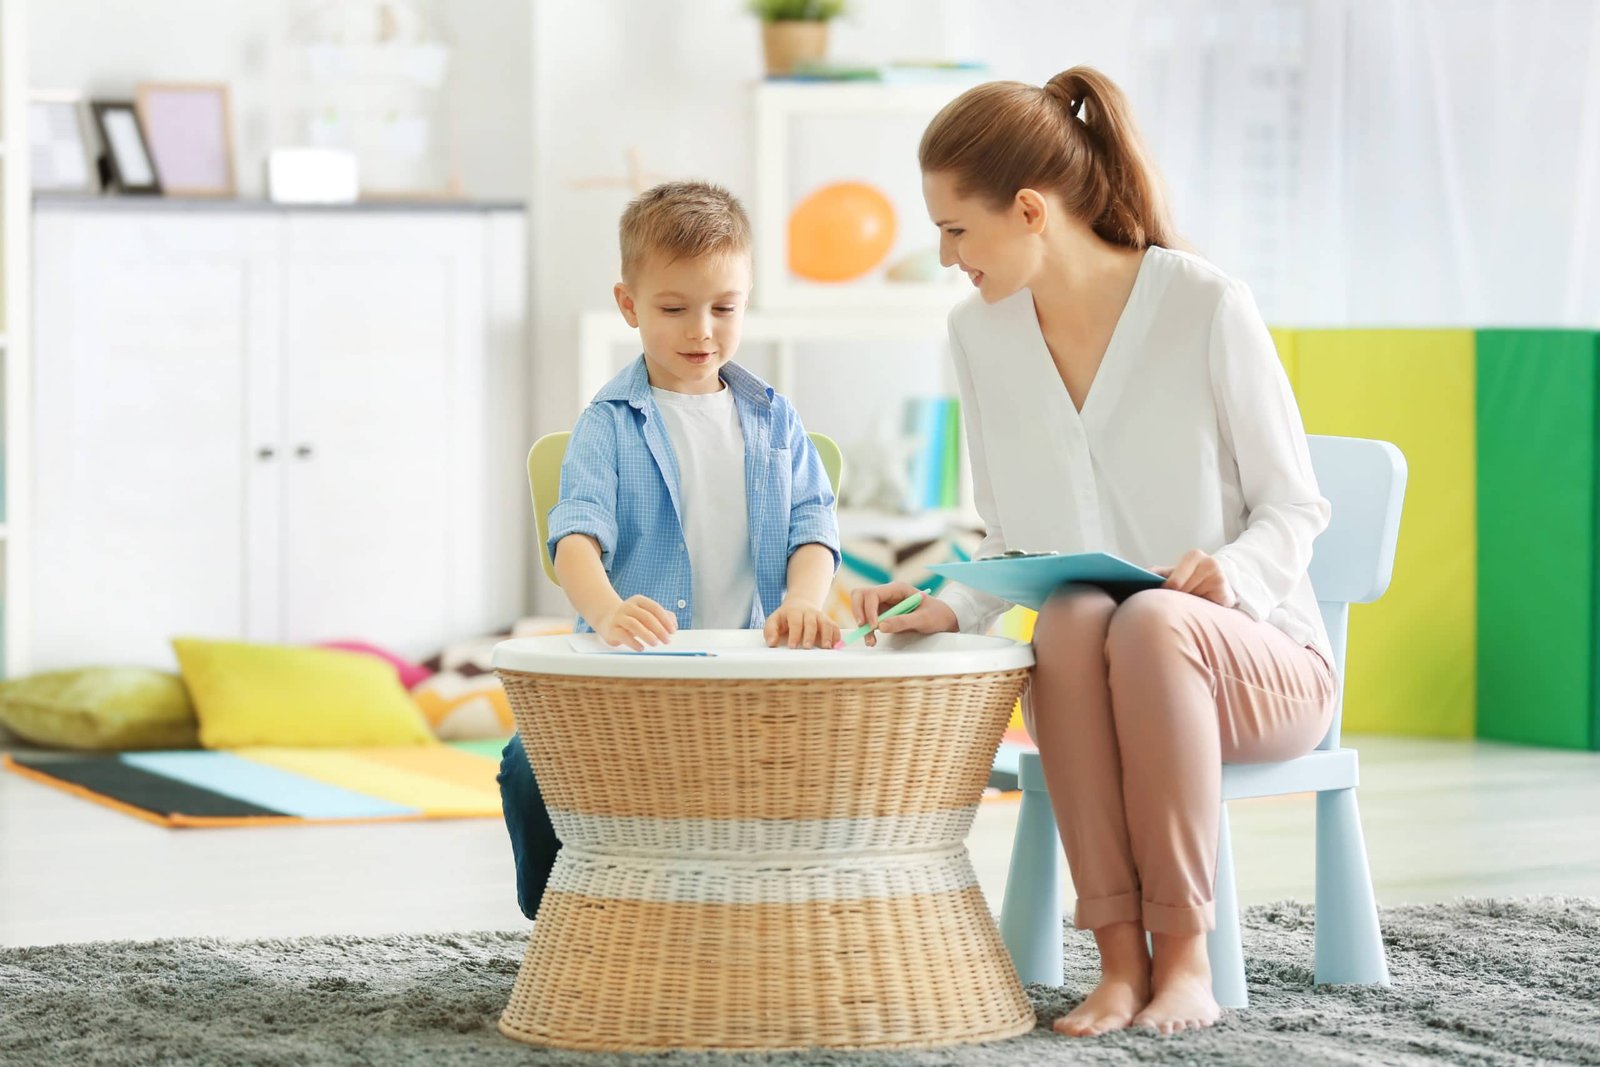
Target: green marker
908, 604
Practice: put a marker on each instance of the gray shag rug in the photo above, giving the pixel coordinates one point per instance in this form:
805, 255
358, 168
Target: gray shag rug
1475, 982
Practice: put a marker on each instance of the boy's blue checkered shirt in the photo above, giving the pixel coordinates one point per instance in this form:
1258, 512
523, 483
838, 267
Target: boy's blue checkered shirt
619, 485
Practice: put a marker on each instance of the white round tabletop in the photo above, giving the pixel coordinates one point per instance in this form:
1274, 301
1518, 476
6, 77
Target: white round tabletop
723, 654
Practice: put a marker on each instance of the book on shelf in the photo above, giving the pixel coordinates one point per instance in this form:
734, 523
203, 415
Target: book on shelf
934, 478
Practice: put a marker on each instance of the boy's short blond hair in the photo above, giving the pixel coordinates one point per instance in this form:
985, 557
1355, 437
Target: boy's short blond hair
682, 220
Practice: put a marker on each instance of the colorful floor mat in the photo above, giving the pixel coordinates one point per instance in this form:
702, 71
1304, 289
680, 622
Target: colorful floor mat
269, 786
276, 786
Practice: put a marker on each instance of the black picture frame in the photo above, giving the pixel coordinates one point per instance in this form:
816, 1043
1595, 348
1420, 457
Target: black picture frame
126, 164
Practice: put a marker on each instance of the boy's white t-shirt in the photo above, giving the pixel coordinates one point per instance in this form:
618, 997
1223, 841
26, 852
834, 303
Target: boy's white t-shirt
705, 434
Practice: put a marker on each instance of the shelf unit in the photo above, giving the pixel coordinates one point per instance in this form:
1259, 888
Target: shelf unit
787, 310
15, 310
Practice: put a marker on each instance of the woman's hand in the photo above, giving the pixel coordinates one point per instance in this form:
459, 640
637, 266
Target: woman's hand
1201, 575
637, 622
929, 617
803, 623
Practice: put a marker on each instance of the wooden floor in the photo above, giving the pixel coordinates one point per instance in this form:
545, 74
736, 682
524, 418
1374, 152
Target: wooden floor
1443, 819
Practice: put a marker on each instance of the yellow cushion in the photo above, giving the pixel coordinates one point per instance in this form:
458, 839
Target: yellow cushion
290, 697
1413, 654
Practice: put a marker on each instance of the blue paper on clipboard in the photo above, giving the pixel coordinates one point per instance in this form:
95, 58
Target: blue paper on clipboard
1029, 580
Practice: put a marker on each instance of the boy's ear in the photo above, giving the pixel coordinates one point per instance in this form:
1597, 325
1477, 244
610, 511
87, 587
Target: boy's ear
625, 304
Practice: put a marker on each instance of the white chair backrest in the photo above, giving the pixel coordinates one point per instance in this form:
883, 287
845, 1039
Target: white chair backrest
1353, 559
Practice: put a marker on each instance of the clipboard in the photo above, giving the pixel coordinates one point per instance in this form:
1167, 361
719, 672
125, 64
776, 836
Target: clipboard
1030, 579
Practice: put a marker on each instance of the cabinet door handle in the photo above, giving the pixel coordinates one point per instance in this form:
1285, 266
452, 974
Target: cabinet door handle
305, 451
266, 453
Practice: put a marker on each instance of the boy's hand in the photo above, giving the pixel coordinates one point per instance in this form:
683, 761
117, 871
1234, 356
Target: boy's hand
932, 616
1201, 575
803, 623
637, 622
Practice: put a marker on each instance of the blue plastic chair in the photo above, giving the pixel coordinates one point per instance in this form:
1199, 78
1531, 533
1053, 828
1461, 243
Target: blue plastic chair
1353, 559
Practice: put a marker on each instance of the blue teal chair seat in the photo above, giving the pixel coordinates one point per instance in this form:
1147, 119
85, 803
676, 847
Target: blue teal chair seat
544, 482
1352, 563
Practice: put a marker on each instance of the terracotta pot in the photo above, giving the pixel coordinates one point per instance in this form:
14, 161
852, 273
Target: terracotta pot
790, 43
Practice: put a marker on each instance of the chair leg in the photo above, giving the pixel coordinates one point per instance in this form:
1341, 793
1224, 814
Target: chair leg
1349, 947
1224, 944
1030, 915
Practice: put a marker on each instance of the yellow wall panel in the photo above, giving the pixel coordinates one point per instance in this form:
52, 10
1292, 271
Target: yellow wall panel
1284, 339
1412, 655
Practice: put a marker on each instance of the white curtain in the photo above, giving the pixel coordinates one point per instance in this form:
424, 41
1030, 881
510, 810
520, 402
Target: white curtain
1358, 162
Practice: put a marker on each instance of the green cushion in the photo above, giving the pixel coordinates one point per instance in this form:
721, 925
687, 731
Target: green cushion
100, 708
1537, 571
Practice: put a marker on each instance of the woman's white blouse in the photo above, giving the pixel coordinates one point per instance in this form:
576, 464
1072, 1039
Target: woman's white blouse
1189, 438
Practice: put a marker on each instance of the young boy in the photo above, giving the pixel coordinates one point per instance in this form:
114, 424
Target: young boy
690, 493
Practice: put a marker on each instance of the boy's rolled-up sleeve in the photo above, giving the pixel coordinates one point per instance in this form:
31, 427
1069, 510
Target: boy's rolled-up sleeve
811, 505
588, 502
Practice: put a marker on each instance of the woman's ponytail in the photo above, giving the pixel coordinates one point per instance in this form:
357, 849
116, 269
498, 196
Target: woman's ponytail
1074, 137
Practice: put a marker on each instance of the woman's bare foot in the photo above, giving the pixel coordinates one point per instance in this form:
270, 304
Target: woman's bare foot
1180, 976
1124, 984
1112, 1006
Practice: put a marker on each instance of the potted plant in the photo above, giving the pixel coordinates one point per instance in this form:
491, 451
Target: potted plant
794, 31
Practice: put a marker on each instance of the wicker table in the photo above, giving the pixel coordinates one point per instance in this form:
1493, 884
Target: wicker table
764, 849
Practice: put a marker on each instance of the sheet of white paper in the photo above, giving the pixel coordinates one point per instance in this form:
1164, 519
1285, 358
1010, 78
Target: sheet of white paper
591, 645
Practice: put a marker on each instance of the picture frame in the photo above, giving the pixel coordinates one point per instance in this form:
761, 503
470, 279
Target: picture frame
128, 166
189, 127
60, 152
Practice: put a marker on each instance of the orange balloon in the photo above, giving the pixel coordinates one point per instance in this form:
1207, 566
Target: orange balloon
840, 232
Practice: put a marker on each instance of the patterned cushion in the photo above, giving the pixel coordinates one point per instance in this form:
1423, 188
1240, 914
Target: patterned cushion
869, 561
461, 707
464, 700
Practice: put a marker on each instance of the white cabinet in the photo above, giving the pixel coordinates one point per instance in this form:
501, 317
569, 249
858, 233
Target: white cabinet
15, 362
384, 404
278, 426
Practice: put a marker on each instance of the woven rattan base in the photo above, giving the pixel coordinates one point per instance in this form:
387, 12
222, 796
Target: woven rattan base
763, 864
636, 976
